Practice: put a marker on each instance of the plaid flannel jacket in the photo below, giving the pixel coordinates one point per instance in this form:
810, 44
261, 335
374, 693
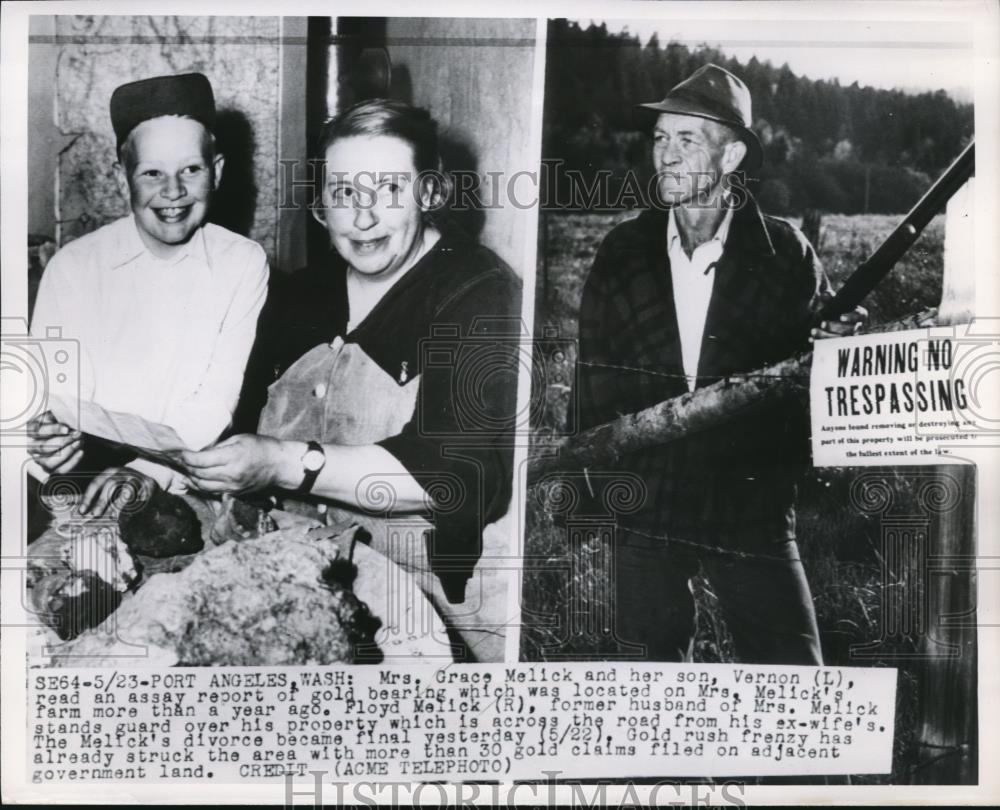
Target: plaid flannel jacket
733, 485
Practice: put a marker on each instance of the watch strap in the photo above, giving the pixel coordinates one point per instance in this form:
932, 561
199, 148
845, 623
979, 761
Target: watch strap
310, 475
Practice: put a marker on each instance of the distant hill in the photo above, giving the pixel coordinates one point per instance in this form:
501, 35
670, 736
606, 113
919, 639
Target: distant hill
845, 149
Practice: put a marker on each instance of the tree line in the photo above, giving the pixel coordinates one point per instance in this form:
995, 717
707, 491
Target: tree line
842, 149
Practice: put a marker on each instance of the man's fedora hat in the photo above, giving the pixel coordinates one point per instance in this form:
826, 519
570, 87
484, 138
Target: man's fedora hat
189, 94
714, 93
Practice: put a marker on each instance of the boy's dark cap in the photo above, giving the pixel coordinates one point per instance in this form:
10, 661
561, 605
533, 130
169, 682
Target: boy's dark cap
189, 94
714, 93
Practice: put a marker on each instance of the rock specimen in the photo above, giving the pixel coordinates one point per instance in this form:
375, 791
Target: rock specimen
71, 601
240, 520
165, 526
279, 599
77, 575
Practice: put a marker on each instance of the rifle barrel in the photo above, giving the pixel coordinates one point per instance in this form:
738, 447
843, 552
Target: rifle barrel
877, 266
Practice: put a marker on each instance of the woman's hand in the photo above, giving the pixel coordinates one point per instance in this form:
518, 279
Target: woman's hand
243, 463
247, 463
54, 446
117, 488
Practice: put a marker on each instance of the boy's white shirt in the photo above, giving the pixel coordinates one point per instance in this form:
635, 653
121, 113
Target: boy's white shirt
166, 339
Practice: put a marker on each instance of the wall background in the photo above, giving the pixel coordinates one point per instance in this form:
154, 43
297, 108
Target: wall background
240, 56
475, 76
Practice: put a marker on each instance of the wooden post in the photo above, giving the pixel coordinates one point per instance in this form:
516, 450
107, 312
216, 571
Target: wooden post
544, 250
958, 295
947, 705
947, 697
811, 221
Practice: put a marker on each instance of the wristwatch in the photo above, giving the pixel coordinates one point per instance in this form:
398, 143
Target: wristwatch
313, 460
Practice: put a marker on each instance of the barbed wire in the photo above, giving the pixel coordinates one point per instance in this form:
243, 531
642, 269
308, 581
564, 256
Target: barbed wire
705, 547
962, 749
743, 375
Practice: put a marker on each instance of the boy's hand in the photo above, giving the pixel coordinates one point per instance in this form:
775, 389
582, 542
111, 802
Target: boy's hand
53, 445
116, 488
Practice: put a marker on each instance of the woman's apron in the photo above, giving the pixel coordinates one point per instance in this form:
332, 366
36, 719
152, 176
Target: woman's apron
336, 394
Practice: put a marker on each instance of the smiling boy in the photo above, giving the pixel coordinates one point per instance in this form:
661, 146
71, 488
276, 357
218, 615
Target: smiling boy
164, 305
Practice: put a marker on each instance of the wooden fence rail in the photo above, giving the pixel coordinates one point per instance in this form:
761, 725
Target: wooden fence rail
690, 413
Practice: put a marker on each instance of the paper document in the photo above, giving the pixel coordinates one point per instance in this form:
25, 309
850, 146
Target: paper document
148, 438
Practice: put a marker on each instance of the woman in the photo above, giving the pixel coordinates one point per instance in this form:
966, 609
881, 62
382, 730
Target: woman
402, 422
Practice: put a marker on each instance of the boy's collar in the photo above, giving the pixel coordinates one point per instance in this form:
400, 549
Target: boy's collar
129, 245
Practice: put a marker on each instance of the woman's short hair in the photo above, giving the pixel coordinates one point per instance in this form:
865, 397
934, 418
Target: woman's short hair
395, 119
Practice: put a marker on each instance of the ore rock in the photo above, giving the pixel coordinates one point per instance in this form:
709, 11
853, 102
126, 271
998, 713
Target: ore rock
165, 526
265, 601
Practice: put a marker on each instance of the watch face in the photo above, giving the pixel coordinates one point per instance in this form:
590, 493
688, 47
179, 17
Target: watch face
313, 460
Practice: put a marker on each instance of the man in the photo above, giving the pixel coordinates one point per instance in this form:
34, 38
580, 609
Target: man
693, 290
164, 305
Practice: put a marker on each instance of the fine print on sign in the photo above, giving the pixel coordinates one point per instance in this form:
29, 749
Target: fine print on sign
898, 398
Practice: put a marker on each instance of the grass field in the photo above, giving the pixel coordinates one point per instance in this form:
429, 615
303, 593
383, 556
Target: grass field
840, 543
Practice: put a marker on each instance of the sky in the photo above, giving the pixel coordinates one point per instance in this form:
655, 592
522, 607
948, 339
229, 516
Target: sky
910, 56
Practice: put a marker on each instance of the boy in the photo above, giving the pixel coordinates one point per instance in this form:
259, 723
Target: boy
164, 305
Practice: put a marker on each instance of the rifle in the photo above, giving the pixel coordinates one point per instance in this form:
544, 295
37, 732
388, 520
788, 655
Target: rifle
877, 266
